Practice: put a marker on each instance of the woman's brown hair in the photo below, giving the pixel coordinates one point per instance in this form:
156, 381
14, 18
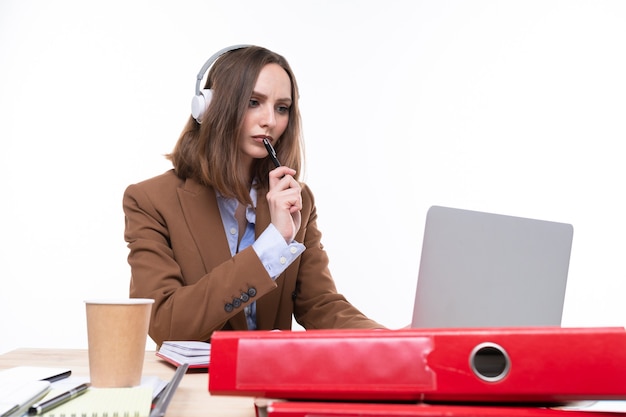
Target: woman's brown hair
208, 152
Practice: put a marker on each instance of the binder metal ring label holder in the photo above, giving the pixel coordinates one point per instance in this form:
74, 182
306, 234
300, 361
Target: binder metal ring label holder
490, 362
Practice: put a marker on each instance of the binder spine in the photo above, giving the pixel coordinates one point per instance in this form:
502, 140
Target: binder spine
539, 365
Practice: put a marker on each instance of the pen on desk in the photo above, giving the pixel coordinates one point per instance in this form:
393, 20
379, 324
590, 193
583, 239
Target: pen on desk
271, 152
158, 409
48, 405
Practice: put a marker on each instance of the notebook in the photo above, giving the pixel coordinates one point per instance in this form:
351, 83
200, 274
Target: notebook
106, 402
490, 270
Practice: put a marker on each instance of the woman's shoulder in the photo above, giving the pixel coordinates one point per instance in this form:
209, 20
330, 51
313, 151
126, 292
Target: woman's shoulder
164, 180
158, 188
166, 186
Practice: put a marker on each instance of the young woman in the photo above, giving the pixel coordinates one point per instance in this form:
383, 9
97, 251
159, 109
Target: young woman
227, 240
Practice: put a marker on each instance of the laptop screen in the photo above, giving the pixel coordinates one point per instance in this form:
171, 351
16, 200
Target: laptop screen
490, 270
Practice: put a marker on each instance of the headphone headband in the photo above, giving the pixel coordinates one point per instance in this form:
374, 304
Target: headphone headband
202, 98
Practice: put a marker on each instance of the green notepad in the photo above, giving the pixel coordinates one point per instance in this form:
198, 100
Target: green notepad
106, 402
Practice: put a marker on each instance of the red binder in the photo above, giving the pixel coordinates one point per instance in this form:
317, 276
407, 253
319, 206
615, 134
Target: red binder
538, 365
271, 408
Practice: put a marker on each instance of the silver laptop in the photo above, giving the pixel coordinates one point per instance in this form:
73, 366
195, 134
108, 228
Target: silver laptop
490, 270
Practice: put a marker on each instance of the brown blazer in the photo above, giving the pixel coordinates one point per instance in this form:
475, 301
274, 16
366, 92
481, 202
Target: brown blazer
179, 257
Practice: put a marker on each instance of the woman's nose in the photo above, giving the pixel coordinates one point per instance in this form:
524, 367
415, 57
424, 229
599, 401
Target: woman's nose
268, 117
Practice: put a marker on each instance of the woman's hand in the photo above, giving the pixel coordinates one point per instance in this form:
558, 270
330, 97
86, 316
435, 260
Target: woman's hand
285, 202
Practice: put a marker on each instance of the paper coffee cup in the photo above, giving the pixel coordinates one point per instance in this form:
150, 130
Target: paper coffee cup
117, 330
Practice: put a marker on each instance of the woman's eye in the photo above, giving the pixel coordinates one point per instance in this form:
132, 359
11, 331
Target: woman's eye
283, 109
253, 103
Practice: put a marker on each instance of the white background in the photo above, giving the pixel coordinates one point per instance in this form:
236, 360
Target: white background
513, 107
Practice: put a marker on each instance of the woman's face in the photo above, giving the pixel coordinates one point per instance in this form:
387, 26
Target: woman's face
267, 114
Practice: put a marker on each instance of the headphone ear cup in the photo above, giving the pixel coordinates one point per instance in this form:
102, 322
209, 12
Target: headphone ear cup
199, 104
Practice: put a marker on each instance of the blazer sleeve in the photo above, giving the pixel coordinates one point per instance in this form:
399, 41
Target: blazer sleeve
192, 298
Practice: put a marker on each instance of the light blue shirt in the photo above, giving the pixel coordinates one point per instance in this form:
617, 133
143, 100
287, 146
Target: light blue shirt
275, 254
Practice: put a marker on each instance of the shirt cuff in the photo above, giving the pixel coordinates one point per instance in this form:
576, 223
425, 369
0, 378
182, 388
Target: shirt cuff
275, 254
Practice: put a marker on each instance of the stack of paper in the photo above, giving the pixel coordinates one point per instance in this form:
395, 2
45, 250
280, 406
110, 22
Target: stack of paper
21, 386
16, 396
195, 354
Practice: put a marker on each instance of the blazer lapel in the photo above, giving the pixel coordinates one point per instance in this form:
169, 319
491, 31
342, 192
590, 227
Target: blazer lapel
199, 206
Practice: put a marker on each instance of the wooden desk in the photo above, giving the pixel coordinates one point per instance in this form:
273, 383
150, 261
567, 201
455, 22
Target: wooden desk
192, 397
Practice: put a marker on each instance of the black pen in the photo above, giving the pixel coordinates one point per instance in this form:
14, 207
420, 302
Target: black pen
271, 152
48, 405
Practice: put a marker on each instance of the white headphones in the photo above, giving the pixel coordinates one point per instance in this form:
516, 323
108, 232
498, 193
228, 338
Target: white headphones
200, 102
